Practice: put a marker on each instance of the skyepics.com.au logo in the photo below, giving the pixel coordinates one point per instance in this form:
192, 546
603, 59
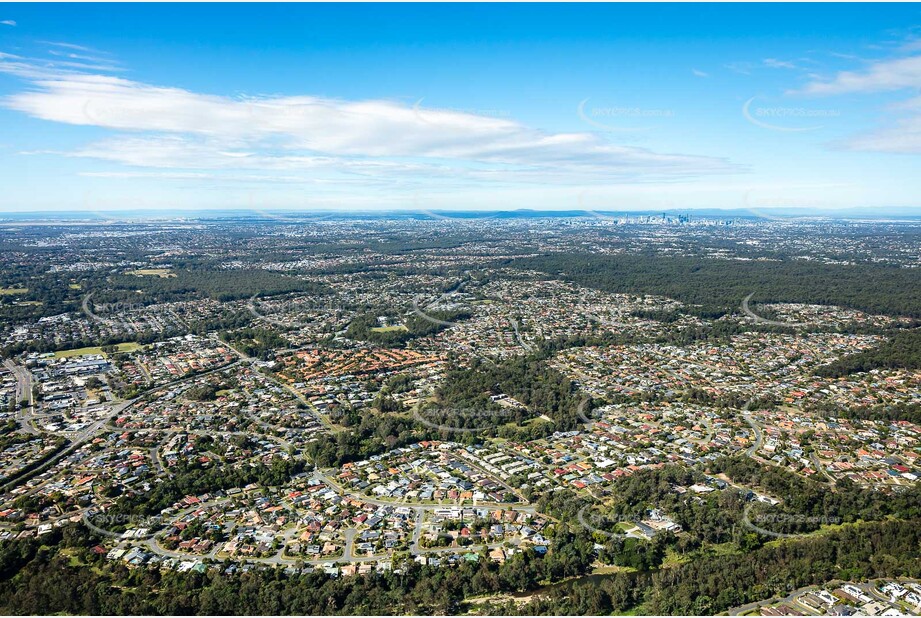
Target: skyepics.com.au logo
438, 211
110, 313
101, 110
747, 310
439, 310
467, 536
584, 410
123, 525
299, 311
599, 319
787, 118
767, 523
598, 523
616, 117
469, 420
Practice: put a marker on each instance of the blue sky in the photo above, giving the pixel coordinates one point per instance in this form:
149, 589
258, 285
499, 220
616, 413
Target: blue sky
127, 107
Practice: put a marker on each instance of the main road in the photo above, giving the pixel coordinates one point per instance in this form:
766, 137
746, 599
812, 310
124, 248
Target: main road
23, 393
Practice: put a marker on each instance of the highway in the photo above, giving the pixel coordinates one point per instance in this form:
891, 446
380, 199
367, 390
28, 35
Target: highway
23, 394
79, 438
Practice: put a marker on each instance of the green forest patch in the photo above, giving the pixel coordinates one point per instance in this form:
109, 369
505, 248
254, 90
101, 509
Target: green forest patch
718, 286
220, 285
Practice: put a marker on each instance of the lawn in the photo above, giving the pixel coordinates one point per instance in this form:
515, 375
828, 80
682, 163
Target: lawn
12, 291
389, 329
673, 558
122, 347
529, 421
74, 559
152, 272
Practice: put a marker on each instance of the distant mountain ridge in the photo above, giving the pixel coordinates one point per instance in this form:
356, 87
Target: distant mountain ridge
289, 216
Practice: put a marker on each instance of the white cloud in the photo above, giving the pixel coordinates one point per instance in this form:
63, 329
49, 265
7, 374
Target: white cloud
698, 73
179, 129
8, 22
902, 134
894, 74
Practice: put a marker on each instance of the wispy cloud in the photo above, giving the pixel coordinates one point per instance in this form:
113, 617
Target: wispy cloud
53, 68
8, 22
742, 67
892, 74
698, 73
167, 127
774, 63
65, 45
96, 59
902, 133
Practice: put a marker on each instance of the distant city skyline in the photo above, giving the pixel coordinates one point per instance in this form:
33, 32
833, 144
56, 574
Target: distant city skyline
460, 107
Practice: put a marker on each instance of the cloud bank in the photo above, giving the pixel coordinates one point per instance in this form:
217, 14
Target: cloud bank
164, 127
